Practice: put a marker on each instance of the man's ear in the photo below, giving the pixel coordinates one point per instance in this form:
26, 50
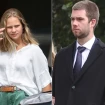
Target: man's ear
93, 22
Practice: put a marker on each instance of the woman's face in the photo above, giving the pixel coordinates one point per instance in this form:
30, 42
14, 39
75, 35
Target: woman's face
14, 29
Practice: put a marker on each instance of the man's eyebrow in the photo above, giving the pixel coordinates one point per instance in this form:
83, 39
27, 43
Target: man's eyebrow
76, 17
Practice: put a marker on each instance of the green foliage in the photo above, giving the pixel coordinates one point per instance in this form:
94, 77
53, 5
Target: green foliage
62, 34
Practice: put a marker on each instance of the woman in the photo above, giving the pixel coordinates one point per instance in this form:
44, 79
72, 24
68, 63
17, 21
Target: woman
23, 66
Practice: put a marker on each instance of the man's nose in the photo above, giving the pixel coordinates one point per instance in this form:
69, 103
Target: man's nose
74, 22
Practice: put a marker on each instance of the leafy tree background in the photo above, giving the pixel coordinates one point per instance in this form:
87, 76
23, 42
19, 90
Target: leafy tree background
62, 34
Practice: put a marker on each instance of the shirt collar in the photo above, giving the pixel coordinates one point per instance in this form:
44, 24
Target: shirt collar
88, 44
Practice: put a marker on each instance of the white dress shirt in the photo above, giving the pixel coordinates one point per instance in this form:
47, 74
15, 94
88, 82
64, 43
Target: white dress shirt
26, 68
88, 45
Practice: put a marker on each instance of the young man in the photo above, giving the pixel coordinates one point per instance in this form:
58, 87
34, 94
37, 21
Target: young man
79, 77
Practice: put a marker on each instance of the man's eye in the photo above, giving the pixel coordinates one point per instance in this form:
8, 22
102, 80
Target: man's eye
79, 19
72, 19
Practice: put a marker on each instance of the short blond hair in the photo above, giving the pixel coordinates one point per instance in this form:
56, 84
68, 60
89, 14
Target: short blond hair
92, 10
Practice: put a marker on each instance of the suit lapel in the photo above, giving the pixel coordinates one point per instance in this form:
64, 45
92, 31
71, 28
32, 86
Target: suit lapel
70, 58
93, 55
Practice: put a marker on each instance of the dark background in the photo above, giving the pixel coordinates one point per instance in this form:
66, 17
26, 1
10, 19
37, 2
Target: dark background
38, 16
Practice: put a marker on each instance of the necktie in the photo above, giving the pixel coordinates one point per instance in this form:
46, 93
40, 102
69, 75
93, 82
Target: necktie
78, 63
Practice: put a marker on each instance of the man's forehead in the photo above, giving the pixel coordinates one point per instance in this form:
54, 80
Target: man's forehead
78, 13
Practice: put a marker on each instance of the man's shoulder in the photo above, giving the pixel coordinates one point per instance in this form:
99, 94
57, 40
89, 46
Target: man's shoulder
66, 49
101, 43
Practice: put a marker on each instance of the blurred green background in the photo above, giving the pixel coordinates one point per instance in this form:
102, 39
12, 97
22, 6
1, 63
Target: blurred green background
61, 27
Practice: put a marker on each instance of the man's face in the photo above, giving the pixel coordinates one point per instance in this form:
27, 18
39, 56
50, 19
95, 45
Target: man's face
80, 24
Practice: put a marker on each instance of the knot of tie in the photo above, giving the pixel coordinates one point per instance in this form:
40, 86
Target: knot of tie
81, 49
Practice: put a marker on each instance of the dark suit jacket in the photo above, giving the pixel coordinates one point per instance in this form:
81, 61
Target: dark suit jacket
89, 87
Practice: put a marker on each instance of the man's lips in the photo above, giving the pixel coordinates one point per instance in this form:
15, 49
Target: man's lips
75, 29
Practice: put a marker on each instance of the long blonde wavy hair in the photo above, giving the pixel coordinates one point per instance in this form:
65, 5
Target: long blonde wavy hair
7, 44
